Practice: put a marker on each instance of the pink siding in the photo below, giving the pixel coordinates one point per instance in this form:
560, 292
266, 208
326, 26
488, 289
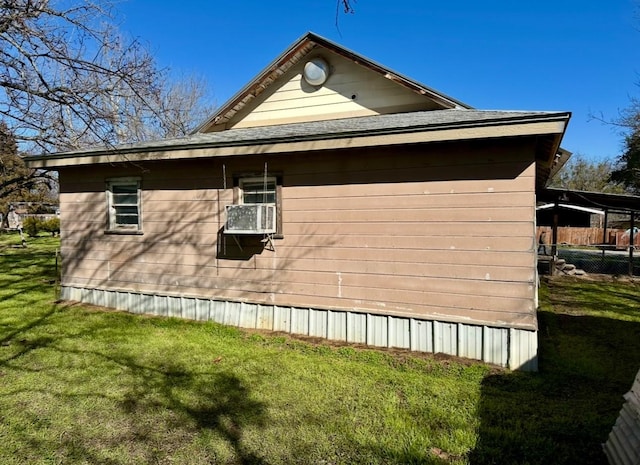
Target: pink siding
440, 232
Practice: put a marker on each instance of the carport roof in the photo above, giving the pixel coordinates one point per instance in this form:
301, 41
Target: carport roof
612, 202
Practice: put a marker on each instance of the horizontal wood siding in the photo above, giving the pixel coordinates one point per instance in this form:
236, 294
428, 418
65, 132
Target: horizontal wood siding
444, 232
351, 90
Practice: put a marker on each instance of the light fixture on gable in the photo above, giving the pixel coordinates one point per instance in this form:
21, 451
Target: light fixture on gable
316, 71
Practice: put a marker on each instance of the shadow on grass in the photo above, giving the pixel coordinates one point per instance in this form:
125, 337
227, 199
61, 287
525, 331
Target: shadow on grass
157, 404
27, 274
214, 400
564, 413
162, 405
163, 408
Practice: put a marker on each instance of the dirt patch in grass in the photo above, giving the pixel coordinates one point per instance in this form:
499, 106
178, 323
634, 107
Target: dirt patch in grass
394, 355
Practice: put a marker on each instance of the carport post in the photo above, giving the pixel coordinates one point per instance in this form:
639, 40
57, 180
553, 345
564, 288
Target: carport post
631, 242
554, 232
604, 231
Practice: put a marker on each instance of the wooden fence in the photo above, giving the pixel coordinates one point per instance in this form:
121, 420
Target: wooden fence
616, 238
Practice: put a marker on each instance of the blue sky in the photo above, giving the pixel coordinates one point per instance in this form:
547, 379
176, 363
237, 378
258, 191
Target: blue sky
566, 55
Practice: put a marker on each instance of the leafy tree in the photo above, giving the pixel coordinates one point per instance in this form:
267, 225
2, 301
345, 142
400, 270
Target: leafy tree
17, 182
627, 169
584, 175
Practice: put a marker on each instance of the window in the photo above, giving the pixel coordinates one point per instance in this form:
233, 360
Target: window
258, 190
123, 205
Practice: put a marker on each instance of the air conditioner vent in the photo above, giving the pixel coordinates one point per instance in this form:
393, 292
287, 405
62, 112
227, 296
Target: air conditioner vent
251, 219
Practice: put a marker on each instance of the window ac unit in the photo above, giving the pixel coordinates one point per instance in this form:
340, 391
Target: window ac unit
250, 219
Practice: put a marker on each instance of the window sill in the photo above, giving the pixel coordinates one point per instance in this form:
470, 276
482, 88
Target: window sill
129, 232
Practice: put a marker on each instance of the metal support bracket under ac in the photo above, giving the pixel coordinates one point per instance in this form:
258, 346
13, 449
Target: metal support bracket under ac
267, 240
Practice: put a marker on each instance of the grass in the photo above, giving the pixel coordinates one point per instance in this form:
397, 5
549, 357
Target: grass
84, 385
589, 355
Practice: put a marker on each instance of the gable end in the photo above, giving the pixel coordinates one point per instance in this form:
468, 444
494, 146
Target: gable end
280, 73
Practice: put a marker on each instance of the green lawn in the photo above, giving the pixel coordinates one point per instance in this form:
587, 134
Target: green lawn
589, 336
84, 385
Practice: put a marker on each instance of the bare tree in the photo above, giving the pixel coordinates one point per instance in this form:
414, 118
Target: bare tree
347, 5
68, 79
175, 111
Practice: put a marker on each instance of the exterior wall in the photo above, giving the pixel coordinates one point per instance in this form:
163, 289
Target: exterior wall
351, 90
442, 233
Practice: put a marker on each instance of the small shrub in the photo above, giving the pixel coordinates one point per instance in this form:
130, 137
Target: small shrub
52, 226
31, 226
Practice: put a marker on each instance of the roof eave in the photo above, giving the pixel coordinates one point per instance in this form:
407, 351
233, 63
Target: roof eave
534, 125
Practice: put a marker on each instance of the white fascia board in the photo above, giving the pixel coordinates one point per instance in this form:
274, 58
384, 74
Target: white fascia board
571, 207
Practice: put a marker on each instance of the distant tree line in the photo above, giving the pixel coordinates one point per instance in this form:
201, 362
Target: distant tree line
582, 174
627, 168
621, 175
17, 182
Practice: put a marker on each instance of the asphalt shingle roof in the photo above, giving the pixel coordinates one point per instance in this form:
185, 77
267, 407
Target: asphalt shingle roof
345, 127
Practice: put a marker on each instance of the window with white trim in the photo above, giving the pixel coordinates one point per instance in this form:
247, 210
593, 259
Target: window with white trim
123, 205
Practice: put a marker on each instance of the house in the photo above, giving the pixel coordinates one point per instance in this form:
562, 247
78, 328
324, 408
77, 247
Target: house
330, 197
